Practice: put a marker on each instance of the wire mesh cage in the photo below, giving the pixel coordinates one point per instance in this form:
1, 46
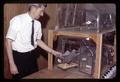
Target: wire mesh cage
81, 52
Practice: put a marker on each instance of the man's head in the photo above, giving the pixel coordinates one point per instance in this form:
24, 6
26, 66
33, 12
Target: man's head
37, 10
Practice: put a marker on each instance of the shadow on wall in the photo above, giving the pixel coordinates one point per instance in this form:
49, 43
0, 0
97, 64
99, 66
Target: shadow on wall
44, 20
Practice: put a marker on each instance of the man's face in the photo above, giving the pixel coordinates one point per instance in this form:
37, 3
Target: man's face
39, 12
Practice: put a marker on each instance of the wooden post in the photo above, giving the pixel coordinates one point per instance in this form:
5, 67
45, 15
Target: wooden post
50, 44
98, 56
114, 60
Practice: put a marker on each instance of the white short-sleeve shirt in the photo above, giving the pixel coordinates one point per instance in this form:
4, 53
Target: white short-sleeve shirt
20, 30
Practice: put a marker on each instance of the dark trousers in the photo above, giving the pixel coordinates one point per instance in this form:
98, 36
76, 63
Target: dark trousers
26, 63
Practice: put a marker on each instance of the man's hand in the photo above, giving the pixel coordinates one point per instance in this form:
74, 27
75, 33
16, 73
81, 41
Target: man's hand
56, 53
13, 69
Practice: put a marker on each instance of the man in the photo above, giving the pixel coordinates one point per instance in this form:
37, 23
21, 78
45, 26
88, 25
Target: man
23, 36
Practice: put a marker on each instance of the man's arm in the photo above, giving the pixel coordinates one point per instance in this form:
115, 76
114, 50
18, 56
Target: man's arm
45, 47
13, 68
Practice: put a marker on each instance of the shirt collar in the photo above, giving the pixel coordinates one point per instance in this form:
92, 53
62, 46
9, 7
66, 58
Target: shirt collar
29, 17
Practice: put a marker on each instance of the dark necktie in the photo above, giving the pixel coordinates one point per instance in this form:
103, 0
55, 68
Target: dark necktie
32, 35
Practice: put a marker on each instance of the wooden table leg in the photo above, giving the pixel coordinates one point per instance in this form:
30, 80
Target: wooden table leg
50, 44
98, 56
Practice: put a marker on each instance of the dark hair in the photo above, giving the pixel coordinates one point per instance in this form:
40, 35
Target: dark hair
37, 5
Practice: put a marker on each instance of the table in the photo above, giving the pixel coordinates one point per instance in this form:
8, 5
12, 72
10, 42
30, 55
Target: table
58, 74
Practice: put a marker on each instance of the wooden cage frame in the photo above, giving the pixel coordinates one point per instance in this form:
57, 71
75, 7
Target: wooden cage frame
96, 37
